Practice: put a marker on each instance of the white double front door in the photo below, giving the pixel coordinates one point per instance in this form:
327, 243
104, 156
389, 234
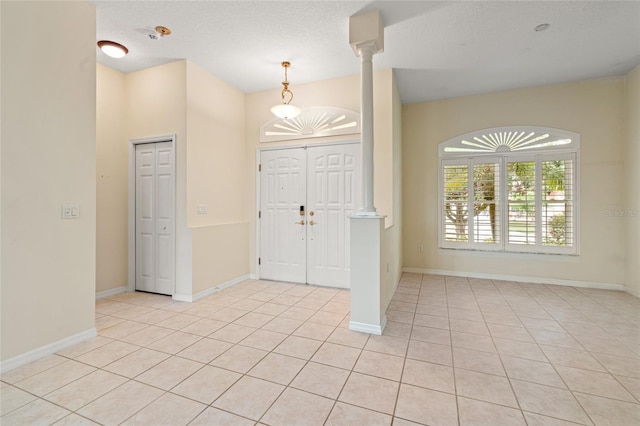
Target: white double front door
306, 197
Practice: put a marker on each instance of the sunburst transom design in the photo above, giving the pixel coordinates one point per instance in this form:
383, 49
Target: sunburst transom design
506, 139
312, 122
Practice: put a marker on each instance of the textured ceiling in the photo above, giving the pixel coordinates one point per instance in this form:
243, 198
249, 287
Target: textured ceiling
439, 49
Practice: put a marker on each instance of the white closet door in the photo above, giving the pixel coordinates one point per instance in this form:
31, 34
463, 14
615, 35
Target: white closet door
333, 176
283, 246
155, 218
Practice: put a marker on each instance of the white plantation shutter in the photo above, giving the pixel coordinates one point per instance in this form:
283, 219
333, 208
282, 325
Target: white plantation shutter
521, 207
485, 221
455, 206
510, 189
557, 204
470, 208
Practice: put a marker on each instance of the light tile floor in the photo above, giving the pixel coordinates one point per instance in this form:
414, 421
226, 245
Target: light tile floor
456, 351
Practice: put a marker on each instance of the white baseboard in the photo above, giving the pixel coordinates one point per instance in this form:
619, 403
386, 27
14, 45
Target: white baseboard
182, 297
46, 350
393, 291
212, 290
518, 278
369, 328
111, 292
632, 291
253, 276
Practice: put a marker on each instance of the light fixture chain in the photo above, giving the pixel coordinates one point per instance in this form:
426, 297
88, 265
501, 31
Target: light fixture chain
285, 110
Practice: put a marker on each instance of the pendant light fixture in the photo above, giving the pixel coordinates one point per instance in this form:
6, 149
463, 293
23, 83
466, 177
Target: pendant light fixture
113, 49
285, 109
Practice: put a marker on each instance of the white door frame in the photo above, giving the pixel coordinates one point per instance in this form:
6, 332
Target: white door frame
131, 285
258, 199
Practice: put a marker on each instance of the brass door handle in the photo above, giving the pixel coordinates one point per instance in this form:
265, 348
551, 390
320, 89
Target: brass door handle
300, 223
311, 223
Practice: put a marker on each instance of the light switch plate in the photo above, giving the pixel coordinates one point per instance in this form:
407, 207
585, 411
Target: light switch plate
70, 211
202, 209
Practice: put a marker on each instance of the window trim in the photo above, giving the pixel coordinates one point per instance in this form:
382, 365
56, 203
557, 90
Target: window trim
543, 150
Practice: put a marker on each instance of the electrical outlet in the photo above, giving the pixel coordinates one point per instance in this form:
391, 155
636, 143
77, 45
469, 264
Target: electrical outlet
202, 209
420, 248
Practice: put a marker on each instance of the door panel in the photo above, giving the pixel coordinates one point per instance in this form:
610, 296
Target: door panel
331, 200
165, 218
145, 217
155, 207
282, 192
146, 264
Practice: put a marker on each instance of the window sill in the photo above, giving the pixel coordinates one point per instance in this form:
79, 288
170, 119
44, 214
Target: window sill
561, 257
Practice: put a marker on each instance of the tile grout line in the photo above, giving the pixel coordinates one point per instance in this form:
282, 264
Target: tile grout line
554, 369
544, 294
515, 395
406, 352
554, 366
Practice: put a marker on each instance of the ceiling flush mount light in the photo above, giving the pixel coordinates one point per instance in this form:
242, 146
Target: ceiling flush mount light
541, 27
285, 109
113, 49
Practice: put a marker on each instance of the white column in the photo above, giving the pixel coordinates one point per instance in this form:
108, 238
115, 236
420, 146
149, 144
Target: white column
366, 52
366, 37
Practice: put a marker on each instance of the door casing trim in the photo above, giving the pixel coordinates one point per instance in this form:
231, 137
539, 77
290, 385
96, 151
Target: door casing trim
131, 270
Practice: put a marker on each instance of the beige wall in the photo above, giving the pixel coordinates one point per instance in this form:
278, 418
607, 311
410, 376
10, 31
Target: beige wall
157, 106
592, 108
215, 150
393, 234
216, 171
216, 177
48, 158
632, 180
219, 255
207, 116
384, 127
112, 157
341, 92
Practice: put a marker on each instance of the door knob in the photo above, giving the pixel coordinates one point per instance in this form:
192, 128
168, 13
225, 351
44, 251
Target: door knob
311, 213
311, 223
300, 223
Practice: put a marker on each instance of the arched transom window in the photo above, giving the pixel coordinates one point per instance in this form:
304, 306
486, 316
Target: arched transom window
510, 189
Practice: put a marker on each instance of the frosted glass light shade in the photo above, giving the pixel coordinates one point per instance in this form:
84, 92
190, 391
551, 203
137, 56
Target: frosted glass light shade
112, 49
285, 110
